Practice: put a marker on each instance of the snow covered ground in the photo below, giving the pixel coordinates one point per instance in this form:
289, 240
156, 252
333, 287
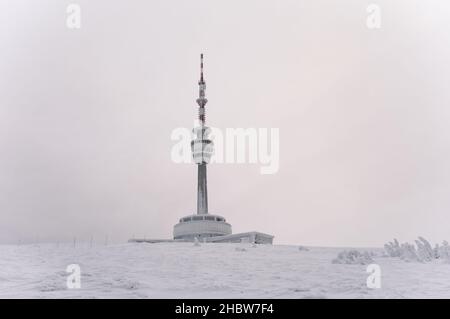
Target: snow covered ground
182, 270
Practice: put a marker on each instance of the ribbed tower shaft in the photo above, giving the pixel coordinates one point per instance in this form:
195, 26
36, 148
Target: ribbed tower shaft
202, 190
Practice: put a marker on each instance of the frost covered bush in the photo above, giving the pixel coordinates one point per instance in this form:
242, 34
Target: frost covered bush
408, 252
424, 250
393, 248
353, 257
444, 252
421, 252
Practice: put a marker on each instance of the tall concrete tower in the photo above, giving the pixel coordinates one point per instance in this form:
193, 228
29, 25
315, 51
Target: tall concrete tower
201, 225
202, 147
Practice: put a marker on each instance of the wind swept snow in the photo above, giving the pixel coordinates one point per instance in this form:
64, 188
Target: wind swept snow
182, 270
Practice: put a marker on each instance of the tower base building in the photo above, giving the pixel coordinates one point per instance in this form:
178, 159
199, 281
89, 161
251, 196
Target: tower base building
202, 227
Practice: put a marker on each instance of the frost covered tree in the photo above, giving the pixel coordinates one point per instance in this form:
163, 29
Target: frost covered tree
444, 252
436, 251
422, 251
408, 252
393, 248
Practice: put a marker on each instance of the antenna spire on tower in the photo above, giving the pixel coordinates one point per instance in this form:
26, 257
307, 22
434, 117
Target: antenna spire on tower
201, 69
202, 100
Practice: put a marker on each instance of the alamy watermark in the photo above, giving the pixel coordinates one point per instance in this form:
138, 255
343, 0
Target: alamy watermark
74, 278
374, 279
373, 20
233, 145
73, 20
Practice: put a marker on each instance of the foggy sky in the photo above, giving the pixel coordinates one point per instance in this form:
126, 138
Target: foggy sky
86, 117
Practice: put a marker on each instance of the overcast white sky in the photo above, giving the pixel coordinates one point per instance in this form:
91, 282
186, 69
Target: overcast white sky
86, 117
